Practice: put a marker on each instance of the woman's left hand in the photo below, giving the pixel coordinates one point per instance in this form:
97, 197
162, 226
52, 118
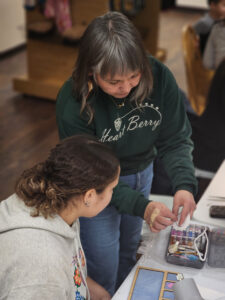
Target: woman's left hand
186, 200
97, 292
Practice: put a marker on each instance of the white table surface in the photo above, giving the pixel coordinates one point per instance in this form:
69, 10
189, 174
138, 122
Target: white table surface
210, 281
216, 188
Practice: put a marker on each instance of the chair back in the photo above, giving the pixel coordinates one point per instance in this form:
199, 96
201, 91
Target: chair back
198, 77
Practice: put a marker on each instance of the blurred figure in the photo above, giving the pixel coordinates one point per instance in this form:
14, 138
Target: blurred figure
208, 135
215, 47
209, 129
204, 25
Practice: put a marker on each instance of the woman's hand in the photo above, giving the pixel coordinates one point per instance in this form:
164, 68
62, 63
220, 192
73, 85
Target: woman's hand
158, 216
97, 292
186, 200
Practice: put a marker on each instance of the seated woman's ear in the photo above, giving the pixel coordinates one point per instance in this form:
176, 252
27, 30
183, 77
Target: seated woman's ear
89, 197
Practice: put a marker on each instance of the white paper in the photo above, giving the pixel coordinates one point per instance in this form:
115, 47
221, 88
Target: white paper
209, 294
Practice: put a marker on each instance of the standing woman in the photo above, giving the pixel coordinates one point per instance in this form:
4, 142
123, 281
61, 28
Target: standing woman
41, 256
130, 101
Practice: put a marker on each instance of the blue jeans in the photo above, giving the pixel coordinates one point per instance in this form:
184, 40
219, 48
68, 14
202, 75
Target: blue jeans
110, 239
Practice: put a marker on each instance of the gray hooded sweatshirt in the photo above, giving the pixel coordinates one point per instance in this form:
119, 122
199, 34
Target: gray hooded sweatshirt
39, 258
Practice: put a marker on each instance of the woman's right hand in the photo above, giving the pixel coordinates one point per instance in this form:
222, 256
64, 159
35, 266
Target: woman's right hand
158, 216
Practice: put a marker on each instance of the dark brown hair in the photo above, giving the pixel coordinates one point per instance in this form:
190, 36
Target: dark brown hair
111, 45
74, 166
213, 1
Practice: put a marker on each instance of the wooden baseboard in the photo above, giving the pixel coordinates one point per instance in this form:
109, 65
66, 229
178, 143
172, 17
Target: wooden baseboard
39, 88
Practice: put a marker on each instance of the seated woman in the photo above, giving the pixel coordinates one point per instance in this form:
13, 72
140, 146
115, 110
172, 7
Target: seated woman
41, 256
215, 48
208, 129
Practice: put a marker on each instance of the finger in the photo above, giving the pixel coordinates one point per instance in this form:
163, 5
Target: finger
167, 213
154, 230
192, 212
175, 209
183, 216
157, 227
161, 223
194, 206
187, 209
164, 221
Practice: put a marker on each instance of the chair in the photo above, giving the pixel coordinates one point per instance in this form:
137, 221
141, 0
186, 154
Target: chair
50, 61
146, 20
198, 77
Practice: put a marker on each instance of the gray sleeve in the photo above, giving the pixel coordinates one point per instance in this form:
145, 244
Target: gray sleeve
200, 27
203, 25
197, 27
38, 291
209, 52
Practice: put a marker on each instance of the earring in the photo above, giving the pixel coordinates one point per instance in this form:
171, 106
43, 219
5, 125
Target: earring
86, 203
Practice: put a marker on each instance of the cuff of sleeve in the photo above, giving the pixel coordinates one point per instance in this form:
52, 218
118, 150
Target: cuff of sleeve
190, 188
141, 206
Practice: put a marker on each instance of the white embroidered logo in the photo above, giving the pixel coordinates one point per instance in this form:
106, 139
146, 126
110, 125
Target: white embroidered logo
133, 124
117, 123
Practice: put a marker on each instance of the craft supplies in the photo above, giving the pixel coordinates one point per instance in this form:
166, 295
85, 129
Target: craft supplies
153, 284
188, 247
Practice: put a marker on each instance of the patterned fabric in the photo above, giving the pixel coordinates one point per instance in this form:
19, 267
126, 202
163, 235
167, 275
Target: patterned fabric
60, 10
79, 265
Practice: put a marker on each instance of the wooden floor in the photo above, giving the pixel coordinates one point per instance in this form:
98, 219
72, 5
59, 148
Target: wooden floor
28, 125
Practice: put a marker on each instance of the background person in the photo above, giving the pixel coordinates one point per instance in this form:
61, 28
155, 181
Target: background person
41, 256
208, 129
132, 102
204, 25
215, 48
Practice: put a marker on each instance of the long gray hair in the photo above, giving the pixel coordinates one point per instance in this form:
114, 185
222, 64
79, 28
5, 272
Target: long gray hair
111, 45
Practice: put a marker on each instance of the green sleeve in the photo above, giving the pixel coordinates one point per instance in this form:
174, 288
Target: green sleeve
174, 145
129, 201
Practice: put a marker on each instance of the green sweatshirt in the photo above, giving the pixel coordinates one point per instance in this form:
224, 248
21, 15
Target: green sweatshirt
137, 135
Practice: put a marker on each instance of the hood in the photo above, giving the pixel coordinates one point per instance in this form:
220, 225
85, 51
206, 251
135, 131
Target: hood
14, 214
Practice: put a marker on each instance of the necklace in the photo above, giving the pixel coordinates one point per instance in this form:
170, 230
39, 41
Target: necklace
118, 105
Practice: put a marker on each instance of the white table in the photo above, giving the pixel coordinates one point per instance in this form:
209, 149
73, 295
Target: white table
210, 281
216, 188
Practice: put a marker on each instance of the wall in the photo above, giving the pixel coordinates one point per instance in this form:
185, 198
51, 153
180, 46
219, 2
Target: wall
192, 3
12, 24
